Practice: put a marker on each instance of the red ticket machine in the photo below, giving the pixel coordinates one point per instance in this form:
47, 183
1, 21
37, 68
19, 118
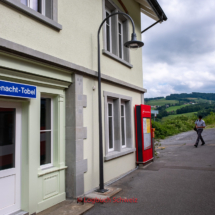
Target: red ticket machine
144, 146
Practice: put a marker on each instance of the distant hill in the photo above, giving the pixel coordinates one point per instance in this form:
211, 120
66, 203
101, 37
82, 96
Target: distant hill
184, 103
207, 96
194, 97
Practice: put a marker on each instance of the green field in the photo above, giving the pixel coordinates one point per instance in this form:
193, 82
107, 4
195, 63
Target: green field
199, 100
161, 102
176, 115
174, 108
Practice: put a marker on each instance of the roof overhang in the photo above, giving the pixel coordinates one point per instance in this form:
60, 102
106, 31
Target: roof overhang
152, 9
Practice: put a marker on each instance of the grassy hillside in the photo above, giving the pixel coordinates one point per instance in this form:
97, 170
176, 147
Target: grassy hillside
161, 102
185, 108
174, 108
176, 115
199, 100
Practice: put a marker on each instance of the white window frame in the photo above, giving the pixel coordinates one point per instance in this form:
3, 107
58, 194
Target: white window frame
110, 149
119, 22
30, 4
123, 104
110, 32
49, 165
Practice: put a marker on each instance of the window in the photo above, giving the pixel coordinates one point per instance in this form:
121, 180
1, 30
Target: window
46, 132
120, 26
110, 127
115, 33
108, 32
118, 126
123, 125
45, 7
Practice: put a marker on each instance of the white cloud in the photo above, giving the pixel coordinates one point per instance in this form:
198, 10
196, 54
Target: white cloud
179, 55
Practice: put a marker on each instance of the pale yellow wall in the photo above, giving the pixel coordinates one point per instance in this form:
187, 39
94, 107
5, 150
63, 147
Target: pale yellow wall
77, 42
112, 168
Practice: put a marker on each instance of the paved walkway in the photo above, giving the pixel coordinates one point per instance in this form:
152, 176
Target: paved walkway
180, 182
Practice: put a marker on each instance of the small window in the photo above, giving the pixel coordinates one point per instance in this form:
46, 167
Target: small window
120, 40
108, 32
123, 126
110, 127
45, 7
46, 132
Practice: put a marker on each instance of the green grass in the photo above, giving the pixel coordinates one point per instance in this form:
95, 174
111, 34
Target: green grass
174, 108
161, 102
176, 115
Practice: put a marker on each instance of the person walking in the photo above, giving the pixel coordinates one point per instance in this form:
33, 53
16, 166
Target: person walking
200, 124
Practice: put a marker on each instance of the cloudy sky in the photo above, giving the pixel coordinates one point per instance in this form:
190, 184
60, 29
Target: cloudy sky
179, 54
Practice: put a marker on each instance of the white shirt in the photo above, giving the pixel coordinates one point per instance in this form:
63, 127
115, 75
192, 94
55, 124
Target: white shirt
200, 123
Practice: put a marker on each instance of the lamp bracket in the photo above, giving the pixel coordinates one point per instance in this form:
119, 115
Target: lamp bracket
160, 20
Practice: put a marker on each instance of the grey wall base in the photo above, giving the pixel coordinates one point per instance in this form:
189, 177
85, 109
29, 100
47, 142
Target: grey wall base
75, 133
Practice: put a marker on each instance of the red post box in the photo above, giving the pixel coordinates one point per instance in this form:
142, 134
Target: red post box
144, 145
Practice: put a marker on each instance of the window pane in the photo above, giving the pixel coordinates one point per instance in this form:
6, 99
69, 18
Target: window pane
49, 8
108, 20
109, 109
7, 138
120, 46
110, 133
25, 2
123, 130
45, 114
122, 110
45, 147
120, 30
108, 37
34, 4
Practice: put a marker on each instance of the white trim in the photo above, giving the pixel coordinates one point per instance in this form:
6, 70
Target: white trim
43, 9
110, 32
119, 22
49, 165
30, 4
17, 169
123, 104
110, 149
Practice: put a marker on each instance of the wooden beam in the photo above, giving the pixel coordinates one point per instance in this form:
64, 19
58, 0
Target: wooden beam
123, 6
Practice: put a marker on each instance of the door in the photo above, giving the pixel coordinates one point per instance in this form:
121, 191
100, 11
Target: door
10, 144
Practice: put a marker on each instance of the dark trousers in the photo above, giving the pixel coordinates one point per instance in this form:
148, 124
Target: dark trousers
199, 133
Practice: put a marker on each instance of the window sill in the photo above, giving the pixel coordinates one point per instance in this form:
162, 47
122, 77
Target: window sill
116, 154
109, 54
50, 170
21, 7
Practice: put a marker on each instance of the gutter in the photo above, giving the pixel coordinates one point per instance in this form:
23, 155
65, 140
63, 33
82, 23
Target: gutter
157, 9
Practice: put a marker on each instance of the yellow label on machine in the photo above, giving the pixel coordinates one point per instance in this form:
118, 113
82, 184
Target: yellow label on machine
148, 126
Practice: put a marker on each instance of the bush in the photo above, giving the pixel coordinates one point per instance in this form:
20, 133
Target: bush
210, 119
173, 126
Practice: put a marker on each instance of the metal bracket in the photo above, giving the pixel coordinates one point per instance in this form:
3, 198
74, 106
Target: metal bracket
160, 20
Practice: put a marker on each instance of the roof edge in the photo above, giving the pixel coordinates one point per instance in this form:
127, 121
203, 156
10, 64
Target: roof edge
157, 9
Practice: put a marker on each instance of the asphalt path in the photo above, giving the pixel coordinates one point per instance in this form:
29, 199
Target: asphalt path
181, 181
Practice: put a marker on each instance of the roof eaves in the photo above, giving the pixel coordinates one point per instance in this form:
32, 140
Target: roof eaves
157, 9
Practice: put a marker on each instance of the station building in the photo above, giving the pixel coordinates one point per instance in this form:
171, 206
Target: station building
49, 146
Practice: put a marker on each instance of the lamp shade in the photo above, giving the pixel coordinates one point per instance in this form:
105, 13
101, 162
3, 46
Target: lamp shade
133, 43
